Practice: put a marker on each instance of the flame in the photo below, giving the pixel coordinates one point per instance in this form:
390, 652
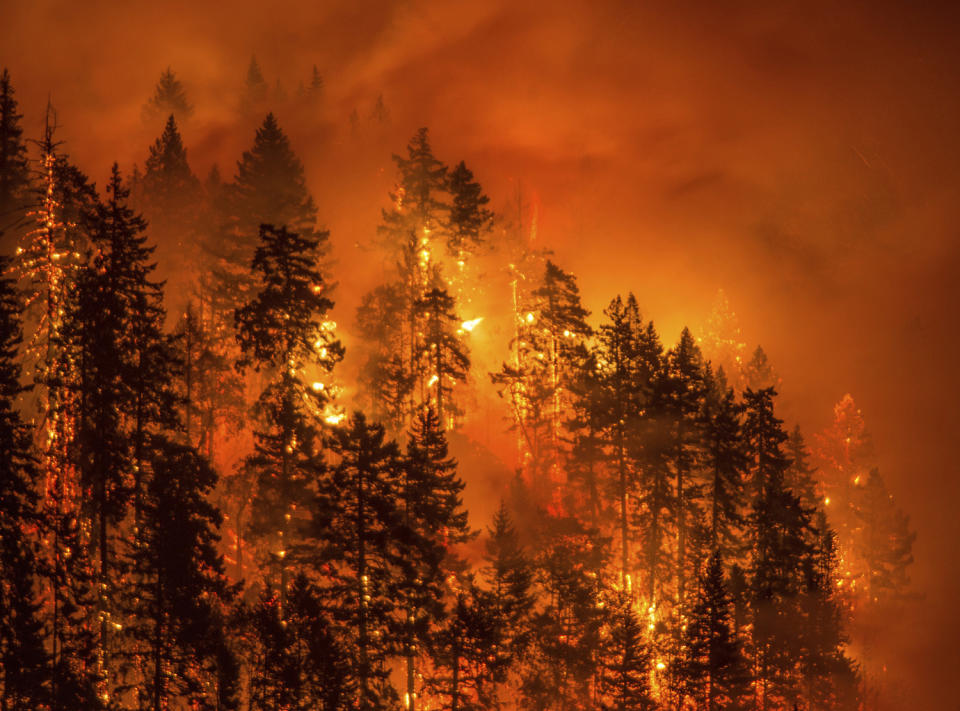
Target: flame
472, 324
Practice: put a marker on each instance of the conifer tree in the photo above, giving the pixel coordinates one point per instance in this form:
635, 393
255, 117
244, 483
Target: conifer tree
566, 629
169, 99
883, 542
462, 673
758, 373
169, 194
296, 661
681, 396
269, 188
623, 681
283, 331
434, 519
386, 376
14, 168
830, 678
179, 592
356, 524
551, 344
254, 89
711, 667
469, 218
801, 474
780, 529
443, 356
725, 466
509, 577
627, 365
24, 661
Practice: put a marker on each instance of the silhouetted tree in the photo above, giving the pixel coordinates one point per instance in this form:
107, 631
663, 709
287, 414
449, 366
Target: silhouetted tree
169, 99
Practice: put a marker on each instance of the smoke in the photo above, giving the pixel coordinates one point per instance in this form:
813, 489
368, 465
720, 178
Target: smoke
803, 156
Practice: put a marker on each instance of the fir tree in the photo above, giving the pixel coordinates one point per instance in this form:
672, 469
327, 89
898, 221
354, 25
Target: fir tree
254, 88
711, 667
470, 220
169, 99
725, 464
830, 678
434, 520
179, 593
681, 395
296, 660
14, 168
442, 353
509, 576
551, 345
802, 475
758, 373
623, 682
282, 330
356, 523
269, 188
883, 542
24, 661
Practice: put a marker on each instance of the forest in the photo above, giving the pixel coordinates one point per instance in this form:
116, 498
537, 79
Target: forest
214, 496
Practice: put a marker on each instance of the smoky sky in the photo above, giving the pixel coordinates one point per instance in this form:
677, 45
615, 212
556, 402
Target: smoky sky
801, 156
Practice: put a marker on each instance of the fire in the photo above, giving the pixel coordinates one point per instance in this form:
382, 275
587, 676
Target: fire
472, 324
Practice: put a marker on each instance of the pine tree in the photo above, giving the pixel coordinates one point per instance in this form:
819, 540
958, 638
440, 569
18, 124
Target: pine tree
567, 627
623, 681
442, 354
462, 673
283, 330
759, 373
470, 220
169, 99
170, 195
386, 376
296, 660
802, 475
883, 543
680, 395
509, 577
254, 89
830, 678
725, 465
24, 661
269, 188
380, 113
780, 528
14, 168
434, 520
627, 366
356, 524
179, 593
711, 666
551, 345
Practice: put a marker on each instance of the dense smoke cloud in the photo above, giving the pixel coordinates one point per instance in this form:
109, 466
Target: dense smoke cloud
802, 156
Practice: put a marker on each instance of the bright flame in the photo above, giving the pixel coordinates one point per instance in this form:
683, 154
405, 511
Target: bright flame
530, 317
472, 324
317, 386
433, 381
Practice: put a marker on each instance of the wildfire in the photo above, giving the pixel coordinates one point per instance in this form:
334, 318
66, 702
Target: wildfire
471, 324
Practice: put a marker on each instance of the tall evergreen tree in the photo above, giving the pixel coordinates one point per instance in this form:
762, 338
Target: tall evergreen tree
255, 89
24, 661
434, 520
283, 331
179, 594
624, 677
14, 168
551, 344
169, 99
725, 466
681, 394
269, 188
356, 524
711, 667
442, 354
